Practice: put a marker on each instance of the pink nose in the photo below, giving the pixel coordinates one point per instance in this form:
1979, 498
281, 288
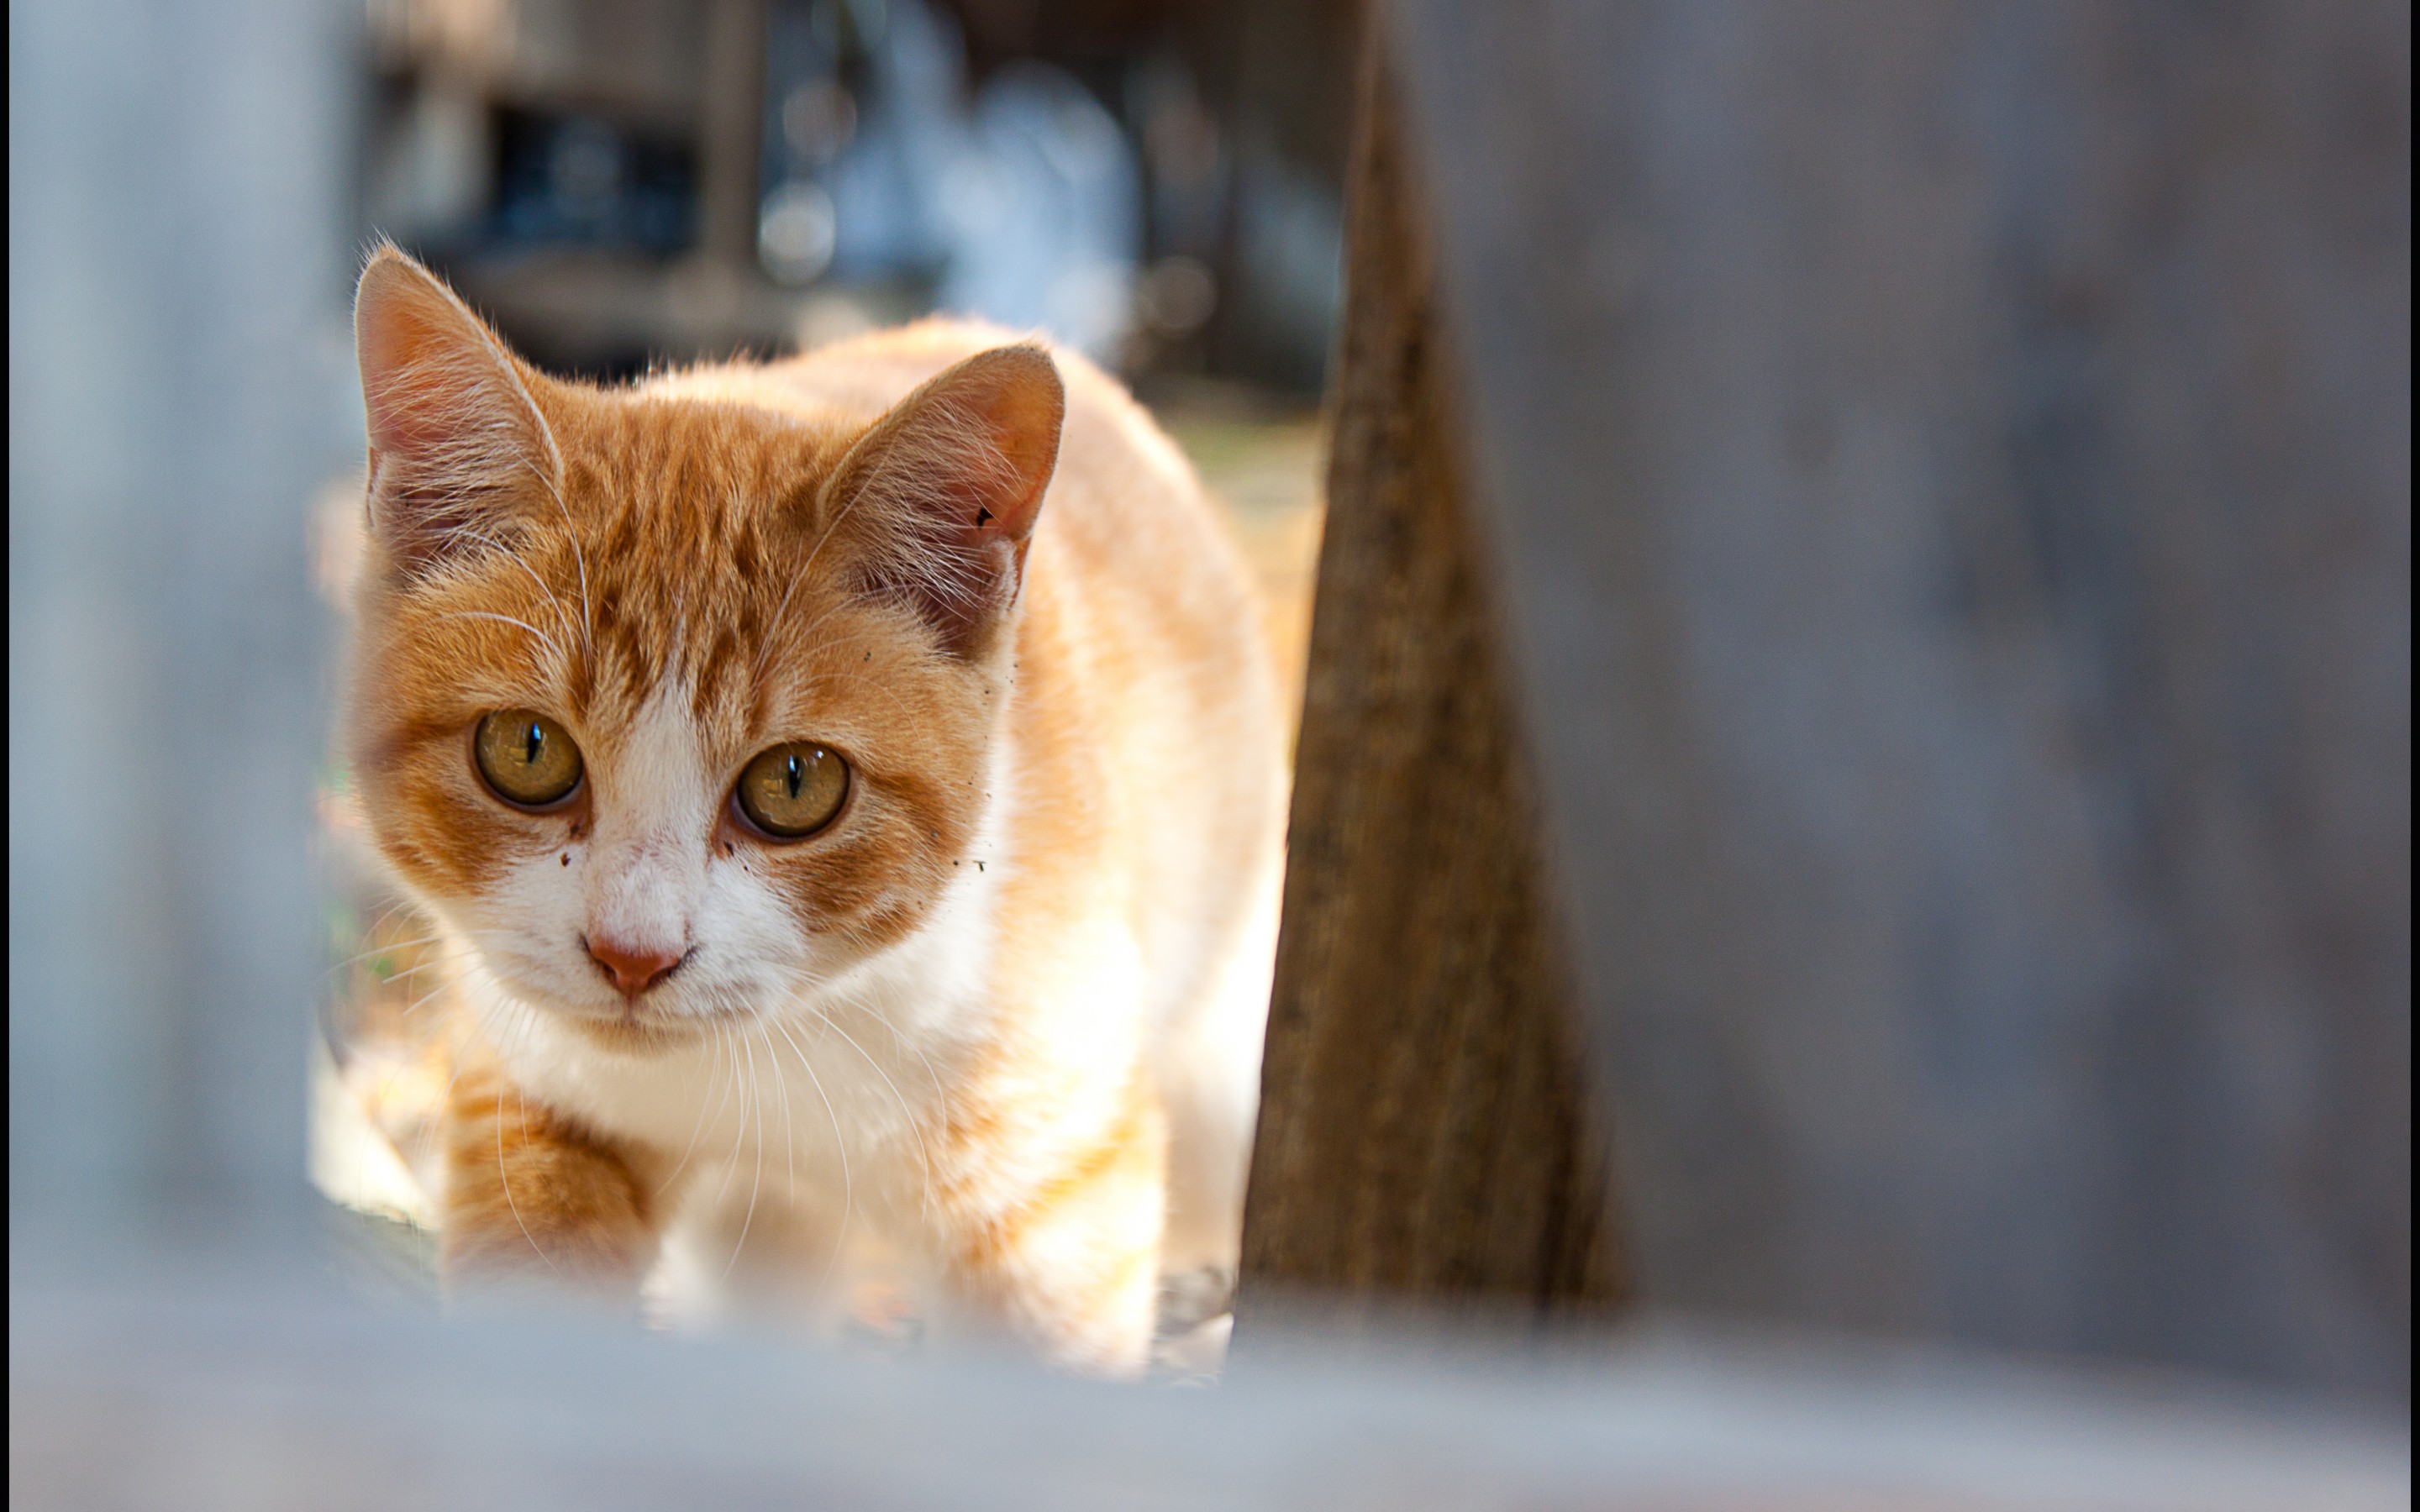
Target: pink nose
633, 971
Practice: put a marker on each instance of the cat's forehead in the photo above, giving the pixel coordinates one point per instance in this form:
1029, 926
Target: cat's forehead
691, 530
689, 472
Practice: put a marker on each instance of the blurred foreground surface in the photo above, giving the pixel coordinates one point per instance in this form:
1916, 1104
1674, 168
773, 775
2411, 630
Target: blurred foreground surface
262, 1398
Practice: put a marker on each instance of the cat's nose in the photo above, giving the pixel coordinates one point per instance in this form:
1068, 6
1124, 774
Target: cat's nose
634, 969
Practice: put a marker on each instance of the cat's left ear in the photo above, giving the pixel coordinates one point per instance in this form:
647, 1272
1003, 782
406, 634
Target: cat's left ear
937, 503
457, 440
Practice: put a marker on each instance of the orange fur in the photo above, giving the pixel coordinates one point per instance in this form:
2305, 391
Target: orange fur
530, 1190
1074, 706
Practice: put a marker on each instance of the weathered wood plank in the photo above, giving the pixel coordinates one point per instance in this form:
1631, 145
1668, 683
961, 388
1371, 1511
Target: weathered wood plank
1420, 1128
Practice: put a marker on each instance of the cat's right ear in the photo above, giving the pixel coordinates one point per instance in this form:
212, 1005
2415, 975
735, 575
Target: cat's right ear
455, 438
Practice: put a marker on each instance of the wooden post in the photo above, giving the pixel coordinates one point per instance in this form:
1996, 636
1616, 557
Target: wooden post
1421, 1133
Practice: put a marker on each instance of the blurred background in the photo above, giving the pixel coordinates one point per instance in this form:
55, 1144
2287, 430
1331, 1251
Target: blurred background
1156, 182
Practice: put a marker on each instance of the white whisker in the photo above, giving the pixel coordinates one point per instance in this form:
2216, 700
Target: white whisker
906, 1114
756, 1181
571, 533
739, 1125
506, 1181
485, 614
517, 560
382, 950
840, 1146
695, 1127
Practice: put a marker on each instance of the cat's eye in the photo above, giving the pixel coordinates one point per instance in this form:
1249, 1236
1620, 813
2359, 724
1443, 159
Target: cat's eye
792, 791
526, 758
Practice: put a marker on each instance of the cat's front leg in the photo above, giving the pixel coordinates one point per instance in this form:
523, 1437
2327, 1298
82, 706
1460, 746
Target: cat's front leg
1067, 1256
530, 1196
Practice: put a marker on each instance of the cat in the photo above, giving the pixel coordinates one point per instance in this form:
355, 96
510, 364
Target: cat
859, 772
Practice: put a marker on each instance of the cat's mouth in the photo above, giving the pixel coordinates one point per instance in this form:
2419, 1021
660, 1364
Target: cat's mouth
638, 1031
637, 1028
674, 1012
643, 1025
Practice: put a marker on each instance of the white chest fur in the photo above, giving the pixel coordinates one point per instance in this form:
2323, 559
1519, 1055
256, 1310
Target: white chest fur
838, 1090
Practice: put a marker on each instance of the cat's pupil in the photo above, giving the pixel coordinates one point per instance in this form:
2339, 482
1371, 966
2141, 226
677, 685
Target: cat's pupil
531, 743
797, 773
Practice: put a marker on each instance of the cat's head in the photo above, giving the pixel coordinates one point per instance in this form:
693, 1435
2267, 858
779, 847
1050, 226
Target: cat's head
672, 707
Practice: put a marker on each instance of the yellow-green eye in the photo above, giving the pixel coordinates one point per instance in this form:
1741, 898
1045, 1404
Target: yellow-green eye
793, 790
526, 757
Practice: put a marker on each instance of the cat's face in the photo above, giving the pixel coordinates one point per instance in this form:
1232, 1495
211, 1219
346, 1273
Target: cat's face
674, 709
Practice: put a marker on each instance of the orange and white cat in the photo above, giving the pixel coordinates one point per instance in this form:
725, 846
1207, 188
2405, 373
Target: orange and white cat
861, 768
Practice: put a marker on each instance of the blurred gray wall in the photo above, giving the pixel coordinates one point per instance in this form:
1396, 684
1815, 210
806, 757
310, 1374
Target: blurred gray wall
179, 388
1953, 480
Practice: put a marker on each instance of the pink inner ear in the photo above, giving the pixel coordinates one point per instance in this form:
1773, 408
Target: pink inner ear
1020, 403
945, 489
403, 327
385, 342
451, 425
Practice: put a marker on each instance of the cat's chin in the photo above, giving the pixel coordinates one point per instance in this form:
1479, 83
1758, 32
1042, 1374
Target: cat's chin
638, 1031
